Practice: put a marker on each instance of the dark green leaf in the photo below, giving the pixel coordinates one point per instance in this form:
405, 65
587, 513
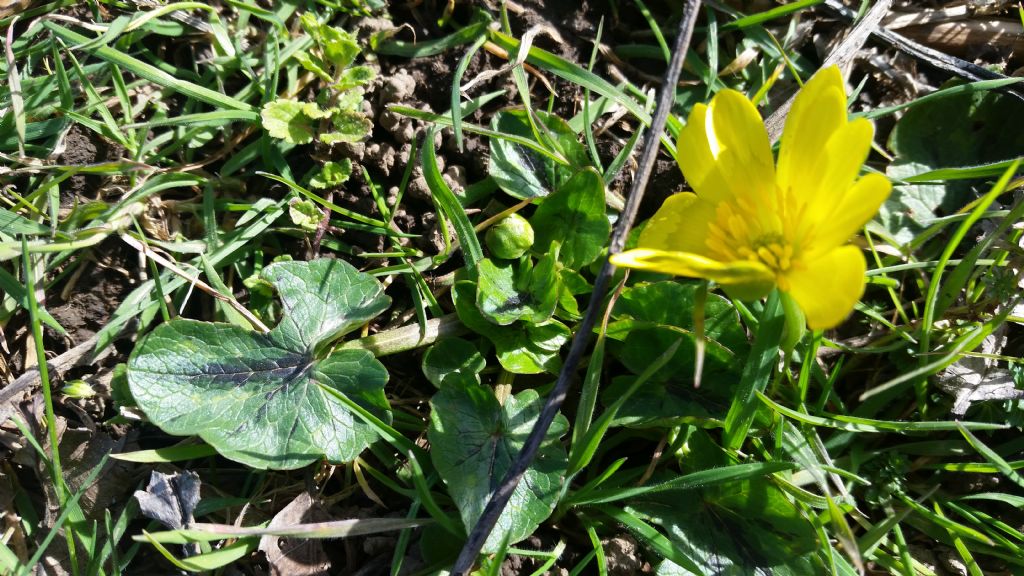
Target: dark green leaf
474, 441
959, 131
524, 173
574, 217
453, 361
742, 527
257, 398
522, 348
657, 314
510, 291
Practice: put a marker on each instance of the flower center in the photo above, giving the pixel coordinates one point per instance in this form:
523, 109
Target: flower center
741, 231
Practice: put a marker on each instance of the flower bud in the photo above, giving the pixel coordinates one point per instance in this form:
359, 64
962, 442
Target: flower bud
78, 389
510, 238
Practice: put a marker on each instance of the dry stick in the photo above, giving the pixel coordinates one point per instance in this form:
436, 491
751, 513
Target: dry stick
489, 517
842, 56
935, 58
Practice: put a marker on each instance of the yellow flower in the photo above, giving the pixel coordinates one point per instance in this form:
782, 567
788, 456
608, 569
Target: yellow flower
752, 224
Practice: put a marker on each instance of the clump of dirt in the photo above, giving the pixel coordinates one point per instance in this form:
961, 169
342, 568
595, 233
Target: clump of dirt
83, 147
92, 292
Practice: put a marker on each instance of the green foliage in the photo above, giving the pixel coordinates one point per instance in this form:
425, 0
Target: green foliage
800, 453
510, 238
453, 361
573, 218
521, 347
331, 60
292, 121
332, 174
257, 398
304, 214
953, 134
510, 291
523, 172
475, 439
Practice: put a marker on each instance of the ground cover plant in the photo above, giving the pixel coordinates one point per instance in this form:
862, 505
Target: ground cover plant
311, 287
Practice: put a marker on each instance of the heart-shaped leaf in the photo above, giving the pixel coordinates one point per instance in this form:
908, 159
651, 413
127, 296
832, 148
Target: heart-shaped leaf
474, 441
645, 327
523, 172
257, 398
453, 361
574, 217
745, 526
521, 347
510, 291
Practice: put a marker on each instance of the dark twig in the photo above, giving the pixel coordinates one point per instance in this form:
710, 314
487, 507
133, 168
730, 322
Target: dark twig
940, 60
478, 535
842, 56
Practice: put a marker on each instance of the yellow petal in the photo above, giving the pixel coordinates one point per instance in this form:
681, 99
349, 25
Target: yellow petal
680, 225
744, 152
833, 174
693, 153
724, 150
828, 287
818, 111
744, 279
855, 207
845, 154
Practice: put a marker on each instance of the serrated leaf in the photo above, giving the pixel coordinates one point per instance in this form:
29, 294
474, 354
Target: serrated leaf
305, 214
355, 76
338, 46
574, 217
257, 398
524, 173
453, 361
291, 120
348, 126
332, 174
313, 64
474, 440
510, 291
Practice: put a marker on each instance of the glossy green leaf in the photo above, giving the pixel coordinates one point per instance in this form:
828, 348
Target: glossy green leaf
574, 217
650, 317
748, 526
510, 291
475, 440
521, 347
453, 361
523, 172
257, 398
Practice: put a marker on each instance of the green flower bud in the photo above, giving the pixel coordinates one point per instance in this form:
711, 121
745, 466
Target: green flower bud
78, 389
510, 238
